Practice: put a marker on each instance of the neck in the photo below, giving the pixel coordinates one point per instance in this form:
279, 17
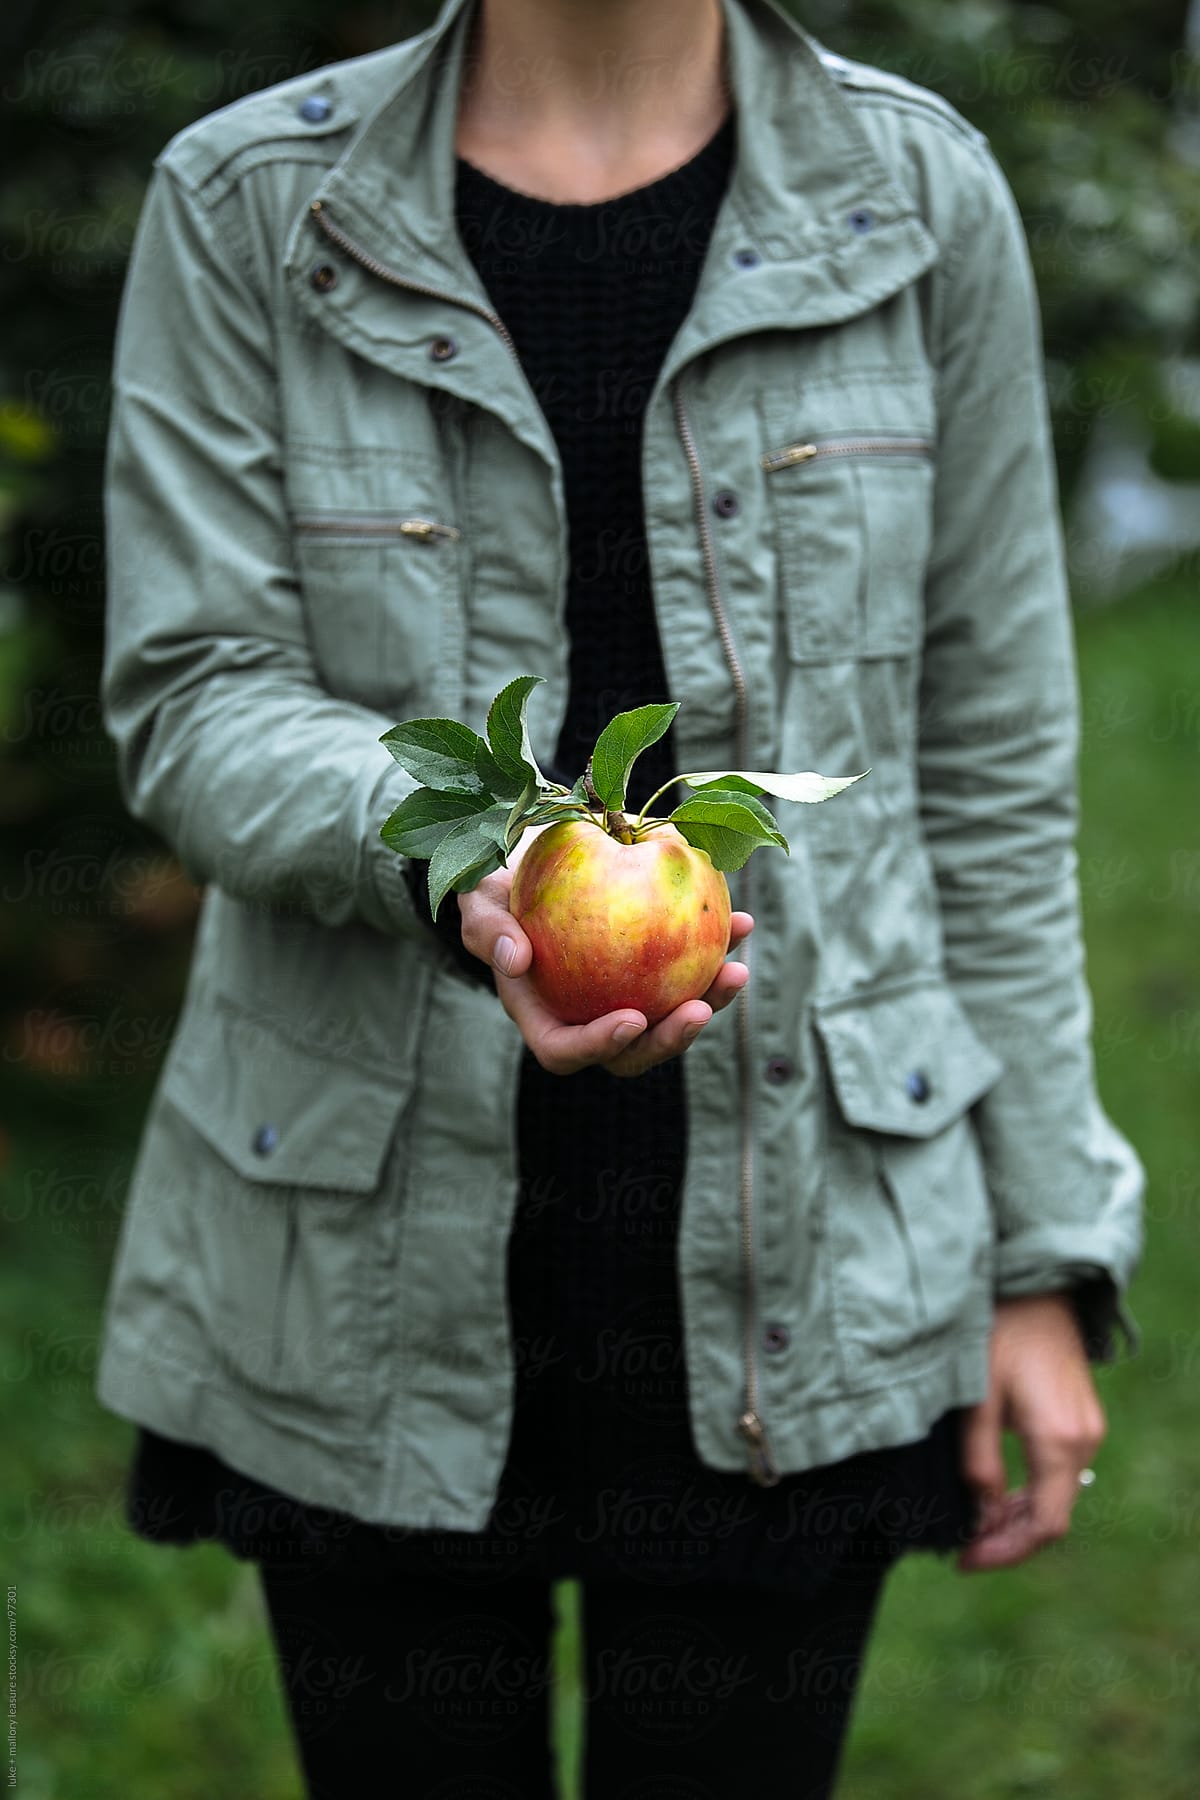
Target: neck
612, 87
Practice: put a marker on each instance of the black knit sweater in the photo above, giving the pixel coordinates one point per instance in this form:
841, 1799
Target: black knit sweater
601, 1474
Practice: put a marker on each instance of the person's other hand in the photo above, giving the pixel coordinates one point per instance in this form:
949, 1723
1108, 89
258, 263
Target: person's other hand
1040, 1386
622, 1041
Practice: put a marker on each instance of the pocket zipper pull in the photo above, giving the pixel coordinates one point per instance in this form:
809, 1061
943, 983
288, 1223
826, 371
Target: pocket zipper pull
791, 453
761, 1462
426, 528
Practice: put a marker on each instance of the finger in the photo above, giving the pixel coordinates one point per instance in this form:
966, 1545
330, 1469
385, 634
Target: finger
565, 1049
1006, 1539
741, 924
980, 1455
1053, 1492
670, 1037
1026, 1520
728, 983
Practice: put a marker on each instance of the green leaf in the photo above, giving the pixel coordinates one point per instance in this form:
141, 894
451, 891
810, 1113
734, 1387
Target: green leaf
440, 753
469, 851
519, 813
423, 818
737, 798
554, 812
507, 731
505, 784
621, 743
805, 786
728, 825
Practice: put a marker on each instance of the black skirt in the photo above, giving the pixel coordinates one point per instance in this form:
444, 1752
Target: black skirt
601, 1477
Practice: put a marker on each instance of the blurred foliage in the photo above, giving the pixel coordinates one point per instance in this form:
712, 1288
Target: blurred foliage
1088, 107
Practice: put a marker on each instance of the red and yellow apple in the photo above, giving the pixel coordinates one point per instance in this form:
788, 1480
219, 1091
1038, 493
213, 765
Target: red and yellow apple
643, 924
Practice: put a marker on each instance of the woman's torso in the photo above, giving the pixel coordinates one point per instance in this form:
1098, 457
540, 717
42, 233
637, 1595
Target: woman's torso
602, 1474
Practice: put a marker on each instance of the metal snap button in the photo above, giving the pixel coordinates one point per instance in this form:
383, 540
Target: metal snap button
776, 1338
265, 1140
323, 277
442, 349
861, 219
726, 503
747, 258
916, 1084
779, 1068
316, 109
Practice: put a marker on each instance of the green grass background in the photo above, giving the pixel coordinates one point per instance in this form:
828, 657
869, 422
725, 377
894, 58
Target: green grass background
145, 1671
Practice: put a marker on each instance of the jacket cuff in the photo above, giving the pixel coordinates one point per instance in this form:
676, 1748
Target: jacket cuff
1100, 1309
1099, 1304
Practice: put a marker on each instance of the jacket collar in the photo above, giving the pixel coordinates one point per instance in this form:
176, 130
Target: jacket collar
833, 231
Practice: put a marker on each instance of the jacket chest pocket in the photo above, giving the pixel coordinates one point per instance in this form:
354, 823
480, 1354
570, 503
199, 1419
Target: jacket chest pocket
379, 559
851, 508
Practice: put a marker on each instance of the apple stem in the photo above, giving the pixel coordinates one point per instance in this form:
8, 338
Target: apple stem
615, 823
650, 802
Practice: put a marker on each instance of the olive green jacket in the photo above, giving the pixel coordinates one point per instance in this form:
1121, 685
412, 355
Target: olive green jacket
334, 503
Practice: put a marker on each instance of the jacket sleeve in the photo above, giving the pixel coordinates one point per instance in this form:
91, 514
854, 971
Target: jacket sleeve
998, 749
261, 781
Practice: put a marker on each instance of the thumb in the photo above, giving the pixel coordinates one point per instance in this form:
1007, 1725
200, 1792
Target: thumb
511, 951
491, 933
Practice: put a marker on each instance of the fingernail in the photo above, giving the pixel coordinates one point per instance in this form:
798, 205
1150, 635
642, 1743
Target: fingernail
504, 954
625, 1034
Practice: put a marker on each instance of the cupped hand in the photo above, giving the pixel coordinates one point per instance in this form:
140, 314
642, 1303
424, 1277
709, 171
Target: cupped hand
1040, 1386
623, 1041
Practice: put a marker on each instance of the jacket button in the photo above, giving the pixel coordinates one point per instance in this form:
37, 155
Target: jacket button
265, 1140
779, 1068
442, 349
316, 109
726, 503
861, 219
747, 258
916, 1083
323, 277
776, 1338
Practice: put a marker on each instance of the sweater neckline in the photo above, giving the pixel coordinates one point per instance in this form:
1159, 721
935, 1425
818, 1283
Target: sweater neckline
698, 163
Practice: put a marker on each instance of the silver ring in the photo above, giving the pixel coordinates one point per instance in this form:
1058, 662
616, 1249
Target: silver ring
1086, 1477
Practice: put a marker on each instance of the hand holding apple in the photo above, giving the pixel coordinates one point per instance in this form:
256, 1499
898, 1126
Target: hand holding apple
563, 1048
614, 919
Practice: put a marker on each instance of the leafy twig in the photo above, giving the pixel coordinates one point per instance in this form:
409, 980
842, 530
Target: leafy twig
476, 797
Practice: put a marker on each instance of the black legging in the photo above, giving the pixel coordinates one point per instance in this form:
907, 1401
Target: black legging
438, 1687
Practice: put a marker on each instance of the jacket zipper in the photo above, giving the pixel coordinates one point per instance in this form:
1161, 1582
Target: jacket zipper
374, 528
372, 263
761, 1463
789, 454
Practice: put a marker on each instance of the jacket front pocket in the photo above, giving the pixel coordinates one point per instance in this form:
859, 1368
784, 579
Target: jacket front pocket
379, 562
284, 1196
852, 518
909, 1217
